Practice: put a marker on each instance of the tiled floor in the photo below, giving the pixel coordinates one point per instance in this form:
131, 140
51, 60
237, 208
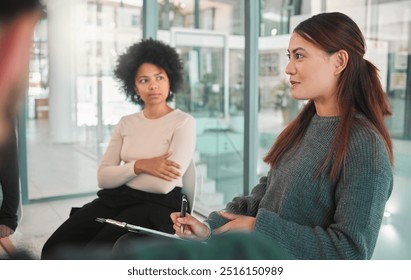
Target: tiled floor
57, 169
54, 170
38, 221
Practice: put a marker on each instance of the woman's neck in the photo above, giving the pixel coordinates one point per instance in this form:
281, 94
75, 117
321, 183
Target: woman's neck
326, 108
156, 112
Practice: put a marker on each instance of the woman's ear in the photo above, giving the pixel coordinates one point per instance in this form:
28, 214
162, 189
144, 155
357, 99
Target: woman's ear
341, 61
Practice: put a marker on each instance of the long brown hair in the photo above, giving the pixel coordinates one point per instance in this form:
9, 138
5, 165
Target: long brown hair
358, 90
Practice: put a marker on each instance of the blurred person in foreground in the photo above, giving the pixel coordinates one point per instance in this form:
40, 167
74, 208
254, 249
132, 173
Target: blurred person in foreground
17, 21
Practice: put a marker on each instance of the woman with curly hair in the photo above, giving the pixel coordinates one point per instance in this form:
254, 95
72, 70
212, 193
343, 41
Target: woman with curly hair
140, 174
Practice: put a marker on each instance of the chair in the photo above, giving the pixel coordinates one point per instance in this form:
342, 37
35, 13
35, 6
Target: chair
191, 181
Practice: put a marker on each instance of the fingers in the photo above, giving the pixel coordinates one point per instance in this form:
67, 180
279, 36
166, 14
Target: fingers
177, 229
228, 226
188, 220
228, 215
159, 166
171, 168
174, 216
222, 229
236, 223
173, 172
178, 222
170, 162
5, 231
170, 175
167, 155
193, 228
173, 164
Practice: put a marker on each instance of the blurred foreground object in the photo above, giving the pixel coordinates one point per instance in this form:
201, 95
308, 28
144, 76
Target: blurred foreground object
17, 21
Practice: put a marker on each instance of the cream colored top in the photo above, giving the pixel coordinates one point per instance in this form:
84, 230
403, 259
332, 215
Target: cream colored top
136, 137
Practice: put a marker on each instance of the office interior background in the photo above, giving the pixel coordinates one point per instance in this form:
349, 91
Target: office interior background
234, 52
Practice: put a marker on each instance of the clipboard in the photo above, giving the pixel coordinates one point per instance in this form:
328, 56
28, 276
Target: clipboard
139, 229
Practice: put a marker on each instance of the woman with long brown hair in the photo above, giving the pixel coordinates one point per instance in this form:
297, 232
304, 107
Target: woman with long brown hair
331, 168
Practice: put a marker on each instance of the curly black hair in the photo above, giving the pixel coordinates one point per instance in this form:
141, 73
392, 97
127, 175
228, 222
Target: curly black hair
148, 51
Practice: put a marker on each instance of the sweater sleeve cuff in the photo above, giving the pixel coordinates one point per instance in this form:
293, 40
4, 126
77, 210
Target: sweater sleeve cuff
130, 168
214, 220
209, 228
266, 222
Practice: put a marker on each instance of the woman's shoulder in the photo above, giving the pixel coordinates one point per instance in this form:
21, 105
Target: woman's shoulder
129, 118
365, 136
367, 149
132, 116
363, 128
182, 116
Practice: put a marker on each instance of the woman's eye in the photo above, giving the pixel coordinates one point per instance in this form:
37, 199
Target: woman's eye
143, 81
295, 56
298, 56
160, 78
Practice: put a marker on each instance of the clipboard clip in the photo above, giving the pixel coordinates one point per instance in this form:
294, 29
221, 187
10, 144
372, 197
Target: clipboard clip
113, 222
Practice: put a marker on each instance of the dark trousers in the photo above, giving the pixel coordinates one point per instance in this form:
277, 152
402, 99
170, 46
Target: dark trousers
82, 232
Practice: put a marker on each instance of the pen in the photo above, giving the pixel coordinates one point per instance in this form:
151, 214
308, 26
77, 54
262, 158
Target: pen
183, 210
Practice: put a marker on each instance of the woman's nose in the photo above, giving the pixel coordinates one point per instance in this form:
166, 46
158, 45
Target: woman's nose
153, 85
290, 69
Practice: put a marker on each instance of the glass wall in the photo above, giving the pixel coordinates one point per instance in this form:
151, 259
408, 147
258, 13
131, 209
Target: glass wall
276, 107
206, 35
73, 101
219, 15
109, 27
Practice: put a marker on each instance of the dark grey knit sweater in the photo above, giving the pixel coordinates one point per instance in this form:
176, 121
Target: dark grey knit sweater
308, 216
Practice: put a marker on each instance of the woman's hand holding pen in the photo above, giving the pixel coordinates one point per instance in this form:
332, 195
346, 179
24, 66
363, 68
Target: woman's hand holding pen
160, 167
236, 223
193, 228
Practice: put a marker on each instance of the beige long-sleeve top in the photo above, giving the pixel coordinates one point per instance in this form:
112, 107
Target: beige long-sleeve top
136, 137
